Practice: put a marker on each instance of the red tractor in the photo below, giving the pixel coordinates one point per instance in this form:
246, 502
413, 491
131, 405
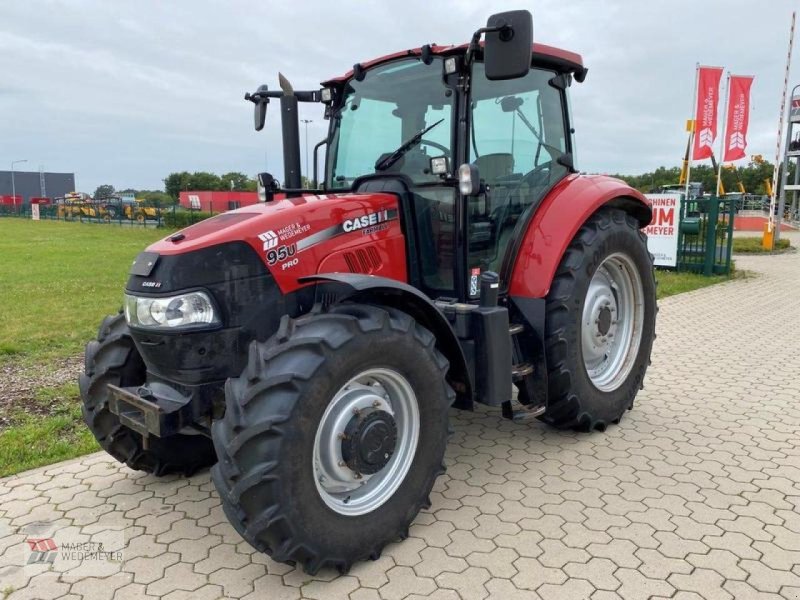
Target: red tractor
310, 347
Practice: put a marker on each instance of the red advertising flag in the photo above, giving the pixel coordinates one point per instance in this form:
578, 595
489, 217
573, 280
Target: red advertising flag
738, 118
706, 115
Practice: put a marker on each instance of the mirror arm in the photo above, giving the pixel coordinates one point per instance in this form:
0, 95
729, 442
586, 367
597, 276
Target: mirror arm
474, 44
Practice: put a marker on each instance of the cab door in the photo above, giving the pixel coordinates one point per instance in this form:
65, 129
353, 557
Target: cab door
517, 135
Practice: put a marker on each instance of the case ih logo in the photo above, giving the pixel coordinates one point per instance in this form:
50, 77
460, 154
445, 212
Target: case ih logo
270, 239
43, 550
365, 221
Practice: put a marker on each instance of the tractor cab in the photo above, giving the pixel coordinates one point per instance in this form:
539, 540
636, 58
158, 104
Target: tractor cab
470, 137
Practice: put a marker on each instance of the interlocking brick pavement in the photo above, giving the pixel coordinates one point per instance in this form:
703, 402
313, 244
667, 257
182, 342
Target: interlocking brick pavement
696, 494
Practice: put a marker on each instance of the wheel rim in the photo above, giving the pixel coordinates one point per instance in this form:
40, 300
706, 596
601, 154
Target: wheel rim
613, 317
355, 429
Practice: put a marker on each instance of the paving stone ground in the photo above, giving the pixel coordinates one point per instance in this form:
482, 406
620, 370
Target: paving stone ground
696, 494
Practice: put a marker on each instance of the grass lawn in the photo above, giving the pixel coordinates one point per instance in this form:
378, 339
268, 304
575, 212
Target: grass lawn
671, 283
57, 282
33, 440
752, 245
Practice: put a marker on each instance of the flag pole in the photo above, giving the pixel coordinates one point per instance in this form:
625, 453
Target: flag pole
692, 116
724, 133
780, 202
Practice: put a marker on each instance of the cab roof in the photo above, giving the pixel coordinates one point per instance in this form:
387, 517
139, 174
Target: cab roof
542, 54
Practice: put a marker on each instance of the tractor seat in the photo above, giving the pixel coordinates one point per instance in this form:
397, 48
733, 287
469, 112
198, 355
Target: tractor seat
493, 167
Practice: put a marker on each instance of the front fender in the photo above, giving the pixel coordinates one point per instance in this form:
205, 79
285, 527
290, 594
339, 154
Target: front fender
559, 217
399, 295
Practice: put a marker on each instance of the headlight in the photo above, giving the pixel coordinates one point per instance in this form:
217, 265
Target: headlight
170, 312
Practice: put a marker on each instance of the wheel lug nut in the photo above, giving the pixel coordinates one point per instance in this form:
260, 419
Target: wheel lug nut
342, 463
341, 436
357, 476
356, 411
376, 404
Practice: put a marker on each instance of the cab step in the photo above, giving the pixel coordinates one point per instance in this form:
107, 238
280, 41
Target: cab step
515, 328
521, 371
522, 413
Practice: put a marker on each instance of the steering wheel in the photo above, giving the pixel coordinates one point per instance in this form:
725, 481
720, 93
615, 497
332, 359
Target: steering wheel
532, 178
436, 145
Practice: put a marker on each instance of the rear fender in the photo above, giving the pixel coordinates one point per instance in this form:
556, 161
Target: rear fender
337, 287
559, 217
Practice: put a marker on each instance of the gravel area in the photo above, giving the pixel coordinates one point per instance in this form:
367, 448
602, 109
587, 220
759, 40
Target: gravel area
18, 384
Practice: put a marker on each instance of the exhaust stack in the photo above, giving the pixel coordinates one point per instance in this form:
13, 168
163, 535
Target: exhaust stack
290, 127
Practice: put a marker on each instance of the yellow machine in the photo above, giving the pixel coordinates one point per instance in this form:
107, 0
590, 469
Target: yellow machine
74, 205
139, 211
130, 208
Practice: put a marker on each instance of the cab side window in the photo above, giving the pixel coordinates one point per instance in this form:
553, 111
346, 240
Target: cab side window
517, 133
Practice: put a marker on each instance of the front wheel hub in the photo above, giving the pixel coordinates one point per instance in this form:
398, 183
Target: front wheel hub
366, 441
369, 441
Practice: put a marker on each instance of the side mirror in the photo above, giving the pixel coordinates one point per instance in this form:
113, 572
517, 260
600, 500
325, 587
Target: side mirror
507, 49
266, 186
260, 100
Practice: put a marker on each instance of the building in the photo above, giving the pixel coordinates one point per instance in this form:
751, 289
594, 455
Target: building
217, 202
33, 184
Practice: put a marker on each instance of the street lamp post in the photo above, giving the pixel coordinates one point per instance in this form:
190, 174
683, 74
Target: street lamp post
13, 184
306, 122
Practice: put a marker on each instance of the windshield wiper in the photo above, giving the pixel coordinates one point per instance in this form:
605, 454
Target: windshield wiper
384, 163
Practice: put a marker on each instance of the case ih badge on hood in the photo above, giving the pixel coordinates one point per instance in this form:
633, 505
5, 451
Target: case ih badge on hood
310, 347
367, 224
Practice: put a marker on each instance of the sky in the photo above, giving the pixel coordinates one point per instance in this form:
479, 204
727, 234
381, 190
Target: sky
126, 92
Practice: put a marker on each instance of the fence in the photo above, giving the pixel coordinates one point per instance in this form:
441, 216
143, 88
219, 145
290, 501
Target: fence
705, 237
112, 213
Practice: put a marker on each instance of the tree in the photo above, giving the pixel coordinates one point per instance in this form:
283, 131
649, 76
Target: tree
201, 180
239, 181
155, 198
103, 192
175, 183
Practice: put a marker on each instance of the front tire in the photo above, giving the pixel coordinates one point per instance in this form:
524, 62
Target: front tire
599, 323
113, 358
356, 394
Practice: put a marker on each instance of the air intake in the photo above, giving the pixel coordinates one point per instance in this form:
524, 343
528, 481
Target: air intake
363, 260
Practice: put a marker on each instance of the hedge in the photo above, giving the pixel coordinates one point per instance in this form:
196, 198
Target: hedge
184, 218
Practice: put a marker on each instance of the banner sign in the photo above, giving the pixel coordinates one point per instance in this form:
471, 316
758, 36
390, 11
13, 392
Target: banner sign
706, 112
738, 117
794, 111
662, 232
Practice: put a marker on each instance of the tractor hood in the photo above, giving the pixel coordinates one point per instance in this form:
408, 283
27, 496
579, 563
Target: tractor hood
297, 237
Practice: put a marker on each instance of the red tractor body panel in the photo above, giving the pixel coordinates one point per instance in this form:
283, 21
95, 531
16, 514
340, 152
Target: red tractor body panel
296, 237
562, 212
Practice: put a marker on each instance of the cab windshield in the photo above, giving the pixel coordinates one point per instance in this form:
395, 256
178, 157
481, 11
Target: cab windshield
391, 105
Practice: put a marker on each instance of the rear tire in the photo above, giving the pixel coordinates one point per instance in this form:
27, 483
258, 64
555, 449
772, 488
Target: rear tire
113, 358
605, 263
268, 441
